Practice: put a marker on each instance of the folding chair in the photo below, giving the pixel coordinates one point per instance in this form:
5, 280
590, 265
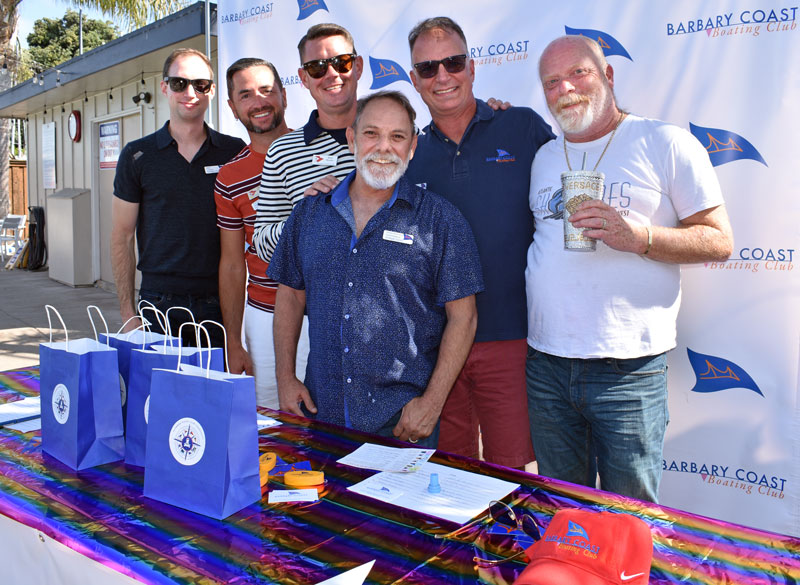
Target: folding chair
11, 234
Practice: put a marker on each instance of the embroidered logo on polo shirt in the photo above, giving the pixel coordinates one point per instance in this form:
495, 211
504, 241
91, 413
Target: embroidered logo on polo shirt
502, 157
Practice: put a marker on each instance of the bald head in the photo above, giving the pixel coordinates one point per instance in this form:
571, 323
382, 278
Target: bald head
580, 44
578, 86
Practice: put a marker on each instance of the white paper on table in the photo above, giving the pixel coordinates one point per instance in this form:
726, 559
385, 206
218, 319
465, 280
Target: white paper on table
304, 495
355, 576
27, 426
265, 422
26, 408
381, 458
464, 494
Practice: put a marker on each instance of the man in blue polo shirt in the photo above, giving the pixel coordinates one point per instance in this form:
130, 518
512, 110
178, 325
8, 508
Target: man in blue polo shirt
388, 272
479, 160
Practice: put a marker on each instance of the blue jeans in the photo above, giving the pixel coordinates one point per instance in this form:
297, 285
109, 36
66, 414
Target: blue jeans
599, 415
202, 307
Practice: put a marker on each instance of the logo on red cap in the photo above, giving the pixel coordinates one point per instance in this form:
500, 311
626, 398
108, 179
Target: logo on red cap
576, 536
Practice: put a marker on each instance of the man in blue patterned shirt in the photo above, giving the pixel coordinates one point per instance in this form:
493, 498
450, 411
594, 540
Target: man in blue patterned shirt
388, 273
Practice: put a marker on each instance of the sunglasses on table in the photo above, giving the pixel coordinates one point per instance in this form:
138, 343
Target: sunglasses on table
179, 84
340, 63
452, 64
502, 514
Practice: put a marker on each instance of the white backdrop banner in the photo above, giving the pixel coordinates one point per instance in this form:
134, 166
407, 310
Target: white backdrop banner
726, 71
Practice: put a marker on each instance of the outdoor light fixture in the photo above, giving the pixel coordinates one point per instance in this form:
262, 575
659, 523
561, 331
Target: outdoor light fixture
4, 70
142, 96
59, 73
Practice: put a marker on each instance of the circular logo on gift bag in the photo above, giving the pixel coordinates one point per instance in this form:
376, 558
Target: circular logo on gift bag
123, 390
147, 410
187, 441
61, 403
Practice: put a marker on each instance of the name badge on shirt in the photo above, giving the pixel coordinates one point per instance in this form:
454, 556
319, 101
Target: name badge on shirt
328, 160
398, 237
211, 169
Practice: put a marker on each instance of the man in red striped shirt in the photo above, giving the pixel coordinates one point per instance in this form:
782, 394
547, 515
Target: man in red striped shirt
258, 100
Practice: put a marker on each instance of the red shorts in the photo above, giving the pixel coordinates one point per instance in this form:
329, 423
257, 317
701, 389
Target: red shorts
490, 394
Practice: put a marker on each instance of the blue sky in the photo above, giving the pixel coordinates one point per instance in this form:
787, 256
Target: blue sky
32, 10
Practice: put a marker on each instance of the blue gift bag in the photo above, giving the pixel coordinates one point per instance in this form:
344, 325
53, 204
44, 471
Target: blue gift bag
142, 363
202, 441
124, 343
80, 401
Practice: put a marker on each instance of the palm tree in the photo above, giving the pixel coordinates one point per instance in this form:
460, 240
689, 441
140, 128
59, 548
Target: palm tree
8, 24
131, 13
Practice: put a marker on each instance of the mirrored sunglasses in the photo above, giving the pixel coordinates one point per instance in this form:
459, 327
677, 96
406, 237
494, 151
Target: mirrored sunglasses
502, 519
179, 84
500, 513
340, 63
452, 64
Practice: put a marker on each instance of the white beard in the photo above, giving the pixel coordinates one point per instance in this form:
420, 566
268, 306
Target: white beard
575, 122
384, 180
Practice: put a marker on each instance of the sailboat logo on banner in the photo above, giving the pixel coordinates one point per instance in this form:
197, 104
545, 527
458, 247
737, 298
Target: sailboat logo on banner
609, 44
715, 373
385, 71
309, 7
724, 146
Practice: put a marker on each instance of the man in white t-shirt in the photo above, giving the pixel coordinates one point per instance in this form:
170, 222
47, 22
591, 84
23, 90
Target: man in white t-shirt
600, 323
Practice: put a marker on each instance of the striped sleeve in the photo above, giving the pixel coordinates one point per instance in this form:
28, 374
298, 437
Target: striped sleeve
226, 190
290, 167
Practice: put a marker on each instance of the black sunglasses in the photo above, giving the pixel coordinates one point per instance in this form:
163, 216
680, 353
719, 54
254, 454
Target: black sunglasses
500, 513
179, 84
452, 64
340, 63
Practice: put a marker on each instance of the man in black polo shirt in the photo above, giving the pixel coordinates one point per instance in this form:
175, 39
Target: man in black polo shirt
164, 196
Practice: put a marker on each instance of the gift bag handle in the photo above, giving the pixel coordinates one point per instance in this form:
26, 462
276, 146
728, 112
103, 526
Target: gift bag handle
91, 320
144, 325
50, 324
144, 305
197, 328
224, 341
138, 315
169, 326
160, 317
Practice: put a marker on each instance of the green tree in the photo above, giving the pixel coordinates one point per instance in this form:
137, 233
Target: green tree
54, 41
8, 24
132, 13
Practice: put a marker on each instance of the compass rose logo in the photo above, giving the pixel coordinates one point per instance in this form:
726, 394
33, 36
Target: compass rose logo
187, 441
61, 403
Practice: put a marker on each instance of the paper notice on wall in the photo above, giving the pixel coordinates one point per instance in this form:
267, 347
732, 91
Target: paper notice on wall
109, 145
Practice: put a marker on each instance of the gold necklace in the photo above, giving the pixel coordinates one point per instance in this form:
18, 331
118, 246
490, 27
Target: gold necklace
604, 150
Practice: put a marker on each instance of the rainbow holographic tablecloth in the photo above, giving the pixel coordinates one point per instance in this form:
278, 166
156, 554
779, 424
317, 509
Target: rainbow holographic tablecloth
102, 514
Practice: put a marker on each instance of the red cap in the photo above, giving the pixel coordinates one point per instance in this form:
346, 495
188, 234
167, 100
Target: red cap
590, 548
